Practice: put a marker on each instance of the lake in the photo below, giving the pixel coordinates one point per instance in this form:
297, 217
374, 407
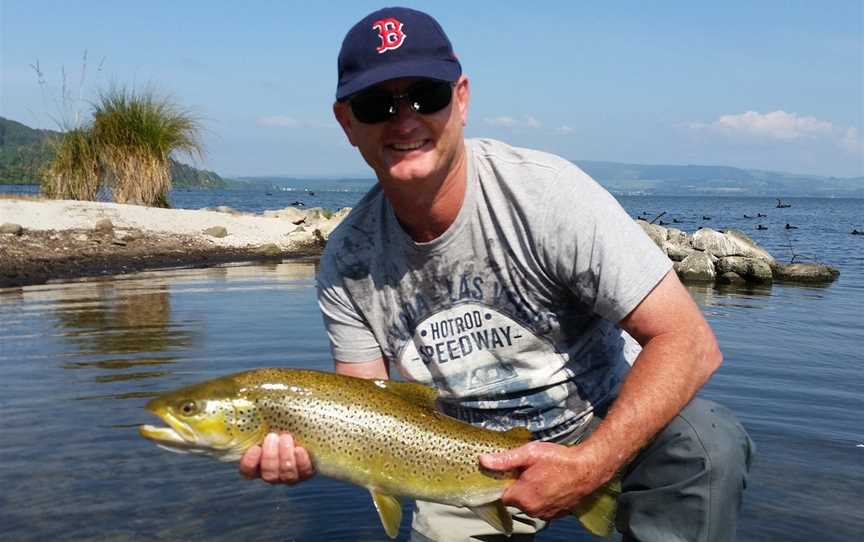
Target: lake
78, 360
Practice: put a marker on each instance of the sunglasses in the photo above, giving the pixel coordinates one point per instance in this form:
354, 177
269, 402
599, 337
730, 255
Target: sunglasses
427, 97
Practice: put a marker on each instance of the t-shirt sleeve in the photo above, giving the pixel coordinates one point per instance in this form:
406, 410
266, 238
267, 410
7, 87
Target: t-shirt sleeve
351, 339
594, 247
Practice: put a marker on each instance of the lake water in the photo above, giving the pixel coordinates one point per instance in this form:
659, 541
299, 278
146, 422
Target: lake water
78, 360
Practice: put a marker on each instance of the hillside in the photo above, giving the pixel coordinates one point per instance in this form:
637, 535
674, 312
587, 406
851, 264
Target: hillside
24, 151
668, 180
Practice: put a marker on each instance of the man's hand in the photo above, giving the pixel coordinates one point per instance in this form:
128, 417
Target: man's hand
552, 477
277, 461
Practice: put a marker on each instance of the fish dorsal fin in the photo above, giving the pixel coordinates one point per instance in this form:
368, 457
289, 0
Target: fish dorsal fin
389, 510
596, 512
418, 394
519, 433
495, 515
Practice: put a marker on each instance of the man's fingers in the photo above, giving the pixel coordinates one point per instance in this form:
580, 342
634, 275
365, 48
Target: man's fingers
270, 458
277, 460
517, 458
287, 462
249, 462
305, 469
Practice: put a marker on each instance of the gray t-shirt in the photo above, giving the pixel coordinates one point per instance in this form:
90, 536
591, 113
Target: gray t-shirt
511, 313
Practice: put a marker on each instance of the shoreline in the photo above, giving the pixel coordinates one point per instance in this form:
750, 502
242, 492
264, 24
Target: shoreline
48, 240
45, 240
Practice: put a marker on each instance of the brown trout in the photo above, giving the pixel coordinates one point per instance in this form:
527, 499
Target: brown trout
383, 435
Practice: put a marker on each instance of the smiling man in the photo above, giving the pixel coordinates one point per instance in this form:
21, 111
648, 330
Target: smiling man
513, 283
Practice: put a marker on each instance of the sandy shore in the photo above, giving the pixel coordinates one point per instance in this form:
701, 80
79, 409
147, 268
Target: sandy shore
60, 239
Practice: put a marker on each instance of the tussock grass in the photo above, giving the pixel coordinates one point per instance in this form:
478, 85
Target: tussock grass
127, 149
74, 172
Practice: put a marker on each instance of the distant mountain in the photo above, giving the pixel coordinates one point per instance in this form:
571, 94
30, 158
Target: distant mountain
666, 180
24, 151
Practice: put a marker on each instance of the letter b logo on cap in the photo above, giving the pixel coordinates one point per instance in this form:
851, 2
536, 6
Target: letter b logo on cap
390, 32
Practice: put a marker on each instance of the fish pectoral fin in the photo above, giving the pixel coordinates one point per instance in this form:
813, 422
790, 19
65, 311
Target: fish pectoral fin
389, 510
496, 515
596, 512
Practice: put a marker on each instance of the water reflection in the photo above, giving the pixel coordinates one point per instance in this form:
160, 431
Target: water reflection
118, 363
72, 391
125, 321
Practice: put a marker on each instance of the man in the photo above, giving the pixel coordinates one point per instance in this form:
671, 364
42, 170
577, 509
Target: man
513, 283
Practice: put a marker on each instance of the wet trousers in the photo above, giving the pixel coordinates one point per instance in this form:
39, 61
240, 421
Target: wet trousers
686, 485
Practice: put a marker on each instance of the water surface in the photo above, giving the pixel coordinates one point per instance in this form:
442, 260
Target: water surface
78, 361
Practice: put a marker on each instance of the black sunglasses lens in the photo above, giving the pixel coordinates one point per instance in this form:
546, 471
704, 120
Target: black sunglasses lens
372, 107
428, 98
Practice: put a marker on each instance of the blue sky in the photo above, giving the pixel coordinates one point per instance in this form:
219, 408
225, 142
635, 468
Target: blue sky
768, 84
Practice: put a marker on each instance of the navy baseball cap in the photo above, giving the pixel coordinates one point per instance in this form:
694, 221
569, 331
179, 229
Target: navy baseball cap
391, 43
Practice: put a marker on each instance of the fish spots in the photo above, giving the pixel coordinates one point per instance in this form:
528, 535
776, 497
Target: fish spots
358, 430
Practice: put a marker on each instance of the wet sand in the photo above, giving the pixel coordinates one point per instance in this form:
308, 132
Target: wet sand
62, 240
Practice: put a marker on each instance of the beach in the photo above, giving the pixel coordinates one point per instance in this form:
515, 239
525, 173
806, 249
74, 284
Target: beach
62, 239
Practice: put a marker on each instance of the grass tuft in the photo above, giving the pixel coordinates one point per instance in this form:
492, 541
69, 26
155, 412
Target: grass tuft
127, 148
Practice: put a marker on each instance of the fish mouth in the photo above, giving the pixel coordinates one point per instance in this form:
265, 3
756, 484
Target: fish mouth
178, 436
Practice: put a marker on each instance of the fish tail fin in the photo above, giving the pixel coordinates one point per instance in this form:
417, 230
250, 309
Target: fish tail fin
596, 512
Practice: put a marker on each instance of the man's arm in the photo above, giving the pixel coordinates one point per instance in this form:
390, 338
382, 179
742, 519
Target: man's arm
679, 354
278, 460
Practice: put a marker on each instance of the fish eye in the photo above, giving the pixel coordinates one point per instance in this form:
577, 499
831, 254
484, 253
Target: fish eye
188, 408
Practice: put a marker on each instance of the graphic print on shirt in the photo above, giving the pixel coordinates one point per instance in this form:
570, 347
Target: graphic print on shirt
471, 348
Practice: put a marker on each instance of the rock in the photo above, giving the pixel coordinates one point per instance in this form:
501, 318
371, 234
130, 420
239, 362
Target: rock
677, 236
675, 251
319, 238
104, 225
731, 278
80, 237
658, 234
270, 249
223, 209
216, 231
696, 267
751, 269
288, 213
804, 272
14, 229
133, 235
749, 246
730, 243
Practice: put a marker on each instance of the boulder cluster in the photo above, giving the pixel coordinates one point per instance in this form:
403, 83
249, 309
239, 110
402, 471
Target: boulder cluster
729, 257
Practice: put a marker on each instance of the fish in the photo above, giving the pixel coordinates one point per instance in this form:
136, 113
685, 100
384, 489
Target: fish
384, 435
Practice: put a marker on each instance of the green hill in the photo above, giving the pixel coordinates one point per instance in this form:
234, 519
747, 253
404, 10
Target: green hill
24, 151
668, 180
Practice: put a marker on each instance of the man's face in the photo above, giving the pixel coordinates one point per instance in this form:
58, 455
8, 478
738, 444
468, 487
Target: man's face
410, 146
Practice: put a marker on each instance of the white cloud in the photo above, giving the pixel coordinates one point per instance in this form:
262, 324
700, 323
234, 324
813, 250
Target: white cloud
505, 122
566, 130
513, 123
780, 126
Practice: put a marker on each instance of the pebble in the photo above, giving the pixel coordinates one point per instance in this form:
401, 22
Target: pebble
216, 231
104, 225
14, 229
